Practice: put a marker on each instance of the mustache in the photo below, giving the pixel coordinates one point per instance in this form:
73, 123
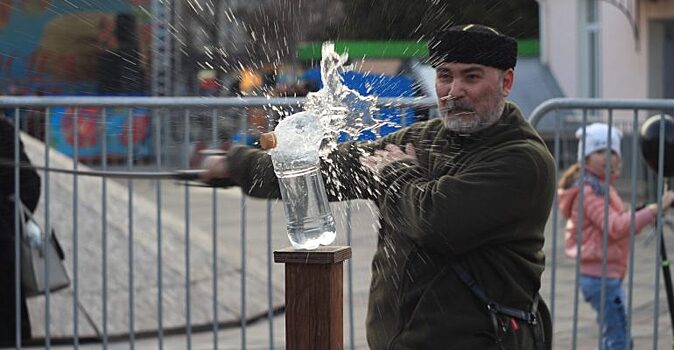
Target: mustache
458, 106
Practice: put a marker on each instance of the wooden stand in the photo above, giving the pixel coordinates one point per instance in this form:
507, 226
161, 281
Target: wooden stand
314, 298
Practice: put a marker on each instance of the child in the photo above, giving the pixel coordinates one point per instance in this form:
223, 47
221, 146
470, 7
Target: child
594, 189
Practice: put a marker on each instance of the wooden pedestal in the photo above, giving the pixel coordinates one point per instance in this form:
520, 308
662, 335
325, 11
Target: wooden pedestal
314, 298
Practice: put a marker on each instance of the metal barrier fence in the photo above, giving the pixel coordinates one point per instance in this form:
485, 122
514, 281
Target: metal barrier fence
102, 225
625, 114
174, 121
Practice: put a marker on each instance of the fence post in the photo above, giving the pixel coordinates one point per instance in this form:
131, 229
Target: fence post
314, 298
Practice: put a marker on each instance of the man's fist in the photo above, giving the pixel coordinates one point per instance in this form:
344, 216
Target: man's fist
215, 167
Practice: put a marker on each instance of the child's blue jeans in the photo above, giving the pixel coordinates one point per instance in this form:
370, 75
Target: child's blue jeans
614, 332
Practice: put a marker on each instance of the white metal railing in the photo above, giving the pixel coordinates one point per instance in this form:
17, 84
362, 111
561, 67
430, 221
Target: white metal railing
208, 113
631, 112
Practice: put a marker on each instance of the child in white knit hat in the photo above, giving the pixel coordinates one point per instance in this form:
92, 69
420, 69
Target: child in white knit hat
595, 156
596, 137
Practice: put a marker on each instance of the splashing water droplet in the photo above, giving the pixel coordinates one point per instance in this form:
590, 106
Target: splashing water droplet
338, 109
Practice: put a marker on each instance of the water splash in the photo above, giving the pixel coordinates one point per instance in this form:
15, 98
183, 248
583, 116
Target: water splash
333, 109
328, 113
340, 108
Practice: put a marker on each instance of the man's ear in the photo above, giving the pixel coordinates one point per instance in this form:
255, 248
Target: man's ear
508, 79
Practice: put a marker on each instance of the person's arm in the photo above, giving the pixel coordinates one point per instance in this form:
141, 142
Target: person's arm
29, 180
454, 214
252, 169
345, 177
30, 183
618, 222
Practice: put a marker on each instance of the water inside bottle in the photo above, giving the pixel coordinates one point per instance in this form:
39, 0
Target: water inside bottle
310, 222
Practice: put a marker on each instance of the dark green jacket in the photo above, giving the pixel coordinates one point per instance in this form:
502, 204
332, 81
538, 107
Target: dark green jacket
481, 199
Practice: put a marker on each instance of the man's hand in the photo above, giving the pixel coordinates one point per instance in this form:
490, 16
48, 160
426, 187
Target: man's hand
392, 153
215, 167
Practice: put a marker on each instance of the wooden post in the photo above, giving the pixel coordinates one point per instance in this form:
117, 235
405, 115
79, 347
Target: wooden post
314, 298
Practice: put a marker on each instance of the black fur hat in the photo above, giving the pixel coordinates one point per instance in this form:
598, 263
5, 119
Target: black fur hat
473, 43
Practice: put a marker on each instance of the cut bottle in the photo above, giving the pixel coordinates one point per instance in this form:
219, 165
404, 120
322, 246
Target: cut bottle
294, 149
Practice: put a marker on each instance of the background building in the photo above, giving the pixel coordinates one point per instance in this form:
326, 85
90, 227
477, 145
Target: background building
609, 49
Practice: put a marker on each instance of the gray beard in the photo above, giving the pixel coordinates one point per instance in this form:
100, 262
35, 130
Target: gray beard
477, 123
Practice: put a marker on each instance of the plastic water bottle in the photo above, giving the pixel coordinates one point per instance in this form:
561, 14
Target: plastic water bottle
310, 222
294, 151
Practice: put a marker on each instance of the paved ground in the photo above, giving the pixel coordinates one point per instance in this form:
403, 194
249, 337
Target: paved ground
363, 245
228, 223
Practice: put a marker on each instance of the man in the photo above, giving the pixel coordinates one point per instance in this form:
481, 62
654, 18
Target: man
463, 203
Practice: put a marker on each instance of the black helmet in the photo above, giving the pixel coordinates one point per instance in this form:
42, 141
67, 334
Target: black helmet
650, 143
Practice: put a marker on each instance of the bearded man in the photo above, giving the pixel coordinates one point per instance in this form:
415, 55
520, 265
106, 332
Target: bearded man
463, 202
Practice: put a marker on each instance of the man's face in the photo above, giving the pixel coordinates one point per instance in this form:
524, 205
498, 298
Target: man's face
471, 96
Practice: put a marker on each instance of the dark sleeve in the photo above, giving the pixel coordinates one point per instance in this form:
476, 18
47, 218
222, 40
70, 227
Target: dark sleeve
457, 213
347, 179
28, 177
343, 175
252, 169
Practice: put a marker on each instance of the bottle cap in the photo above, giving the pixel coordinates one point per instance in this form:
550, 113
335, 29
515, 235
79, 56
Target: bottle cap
268, 140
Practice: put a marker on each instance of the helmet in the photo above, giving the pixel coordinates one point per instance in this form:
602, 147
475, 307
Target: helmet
649, 137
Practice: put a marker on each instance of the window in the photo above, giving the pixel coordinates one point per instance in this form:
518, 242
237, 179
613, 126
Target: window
589, 50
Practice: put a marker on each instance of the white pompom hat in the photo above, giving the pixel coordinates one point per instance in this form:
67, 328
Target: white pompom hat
596, 136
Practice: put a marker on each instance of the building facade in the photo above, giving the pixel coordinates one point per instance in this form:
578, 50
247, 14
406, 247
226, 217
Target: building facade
609, 48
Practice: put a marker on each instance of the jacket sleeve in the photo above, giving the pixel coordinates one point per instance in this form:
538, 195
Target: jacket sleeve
344, 177
252, 169
29, 180
618, 221
457, 213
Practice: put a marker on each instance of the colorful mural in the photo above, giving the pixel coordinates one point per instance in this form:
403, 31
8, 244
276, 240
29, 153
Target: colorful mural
89, 129
51, 47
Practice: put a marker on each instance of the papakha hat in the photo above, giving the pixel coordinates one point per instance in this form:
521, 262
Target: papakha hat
473, 43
